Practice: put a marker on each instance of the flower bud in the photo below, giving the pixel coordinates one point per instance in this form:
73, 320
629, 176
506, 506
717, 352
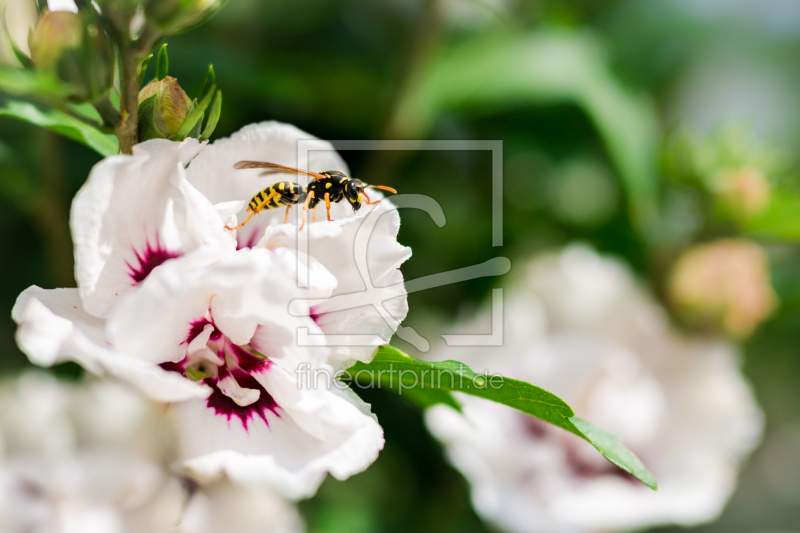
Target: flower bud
76, 48
163, 108
725, 284
175, 16
745, 191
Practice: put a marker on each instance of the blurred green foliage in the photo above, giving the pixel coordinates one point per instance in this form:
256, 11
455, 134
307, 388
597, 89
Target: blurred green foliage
590, 99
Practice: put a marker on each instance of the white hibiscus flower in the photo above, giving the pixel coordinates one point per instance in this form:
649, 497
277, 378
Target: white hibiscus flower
82, 459
93, 457
578, 325
224, 506
194, 314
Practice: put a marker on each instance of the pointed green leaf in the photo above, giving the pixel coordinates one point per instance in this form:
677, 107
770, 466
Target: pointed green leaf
213, 117
162, 65
62, 124
194, 117
210, 81
143, 68
397, 371
613, 450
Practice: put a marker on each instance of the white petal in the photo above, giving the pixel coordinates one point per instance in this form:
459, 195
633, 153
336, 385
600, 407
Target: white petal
317, 431
62, 5
53, 327
240, 395
370, 293
242, 289
133, 205
201, 340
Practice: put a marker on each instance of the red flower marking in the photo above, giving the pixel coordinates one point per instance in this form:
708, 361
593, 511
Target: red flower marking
237, 362
149, 258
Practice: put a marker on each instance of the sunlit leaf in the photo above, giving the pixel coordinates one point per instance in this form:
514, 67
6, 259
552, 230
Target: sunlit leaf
399, 372
544, 68
781, 220
63, 124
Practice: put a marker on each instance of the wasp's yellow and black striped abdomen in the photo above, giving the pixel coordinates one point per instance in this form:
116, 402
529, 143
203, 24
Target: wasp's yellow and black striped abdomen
277, 195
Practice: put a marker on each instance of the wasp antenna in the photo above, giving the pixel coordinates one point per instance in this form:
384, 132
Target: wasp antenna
384, 187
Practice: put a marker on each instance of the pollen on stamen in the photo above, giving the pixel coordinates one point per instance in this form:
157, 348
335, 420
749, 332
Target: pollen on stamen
149, 258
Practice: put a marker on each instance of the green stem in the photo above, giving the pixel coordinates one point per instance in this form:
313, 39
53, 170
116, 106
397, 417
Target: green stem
108, 112
126, 130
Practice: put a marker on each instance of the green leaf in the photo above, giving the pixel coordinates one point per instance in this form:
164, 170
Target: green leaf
194, 117
213, 117
780, 221
32, 83
143, 68
196, 375
63, 124
613, 450
146, 125
162, 64
509, 70
401, 372
397, 371
210, 81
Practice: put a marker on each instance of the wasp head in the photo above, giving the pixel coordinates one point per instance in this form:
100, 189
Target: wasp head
353, 191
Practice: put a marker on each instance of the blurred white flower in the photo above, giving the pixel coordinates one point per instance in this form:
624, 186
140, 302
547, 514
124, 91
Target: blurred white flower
224, 507
171, 302
578, 325
82, 459
94, 457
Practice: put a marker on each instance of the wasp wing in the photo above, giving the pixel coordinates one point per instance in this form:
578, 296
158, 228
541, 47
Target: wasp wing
274, 168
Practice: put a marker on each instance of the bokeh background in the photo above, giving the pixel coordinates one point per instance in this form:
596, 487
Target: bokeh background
602, 106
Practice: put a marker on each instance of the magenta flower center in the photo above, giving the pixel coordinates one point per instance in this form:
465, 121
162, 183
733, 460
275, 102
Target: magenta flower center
230, 370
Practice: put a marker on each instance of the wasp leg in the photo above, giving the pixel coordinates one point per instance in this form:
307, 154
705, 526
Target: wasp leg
257, 210
314, 214
367, 199
328, 205
305, 207
286, 218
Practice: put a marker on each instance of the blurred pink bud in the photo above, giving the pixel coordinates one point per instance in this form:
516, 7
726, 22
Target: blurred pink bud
746, 191
77, 49
725, 284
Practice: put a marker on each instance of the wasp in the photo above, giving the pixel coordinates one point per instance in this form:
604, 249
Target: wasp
330, 186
